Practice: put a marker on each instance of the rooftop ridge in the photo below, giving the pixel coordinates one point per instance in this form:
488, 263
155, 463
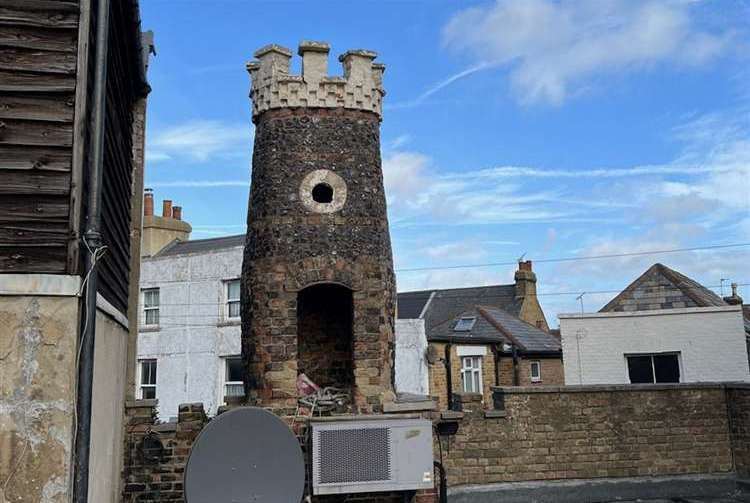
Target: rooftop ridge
361, 87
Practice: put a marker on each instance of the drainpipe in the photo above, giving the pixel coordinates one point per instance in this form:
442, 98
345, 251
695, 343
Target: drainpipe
496, 353
443, 498
93, 240
448, 376
514, 351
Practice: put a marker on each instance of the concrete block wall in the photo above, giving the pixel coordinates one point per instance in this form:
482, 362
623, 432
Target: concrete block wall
588, 432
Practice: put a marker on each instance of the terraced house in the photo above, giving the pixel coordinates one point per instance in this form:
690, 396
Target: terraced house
485, 336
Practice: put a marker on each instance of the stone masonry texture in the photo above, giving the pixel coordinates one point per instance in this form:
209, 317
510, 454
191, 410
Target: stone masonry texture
291, 247
739, 419
541, 434
569, 433
37, 388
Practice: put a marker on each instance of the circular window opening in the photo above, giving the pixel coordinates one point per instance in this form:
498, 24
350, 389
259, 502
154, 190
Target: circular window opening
322, 193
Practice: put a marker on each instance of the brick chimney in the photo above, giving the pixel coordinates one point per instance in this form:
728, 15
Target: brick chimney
525, 280
166, 208
530, 311
159, 231
148, 203
734, 299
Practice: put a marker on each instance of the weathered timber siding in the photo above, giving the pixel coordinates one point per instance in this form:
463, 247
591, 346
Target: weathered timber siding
122, 93
38, 56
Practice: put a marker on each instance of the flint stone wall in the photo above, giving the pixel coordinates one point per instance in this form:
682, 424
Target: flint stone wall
290, 247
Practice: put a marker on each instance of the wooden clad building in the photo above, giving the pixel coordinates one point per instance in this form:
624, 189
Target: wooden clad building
72, 113
46, 80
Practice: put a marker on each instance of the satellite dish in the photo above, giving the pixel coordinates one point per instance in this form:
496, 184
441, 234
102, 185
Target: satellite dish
432, 355
245, 455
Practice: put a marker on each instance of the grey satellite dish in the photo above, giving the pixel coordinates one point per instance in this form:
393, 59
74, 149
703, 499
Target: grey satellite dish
245, 455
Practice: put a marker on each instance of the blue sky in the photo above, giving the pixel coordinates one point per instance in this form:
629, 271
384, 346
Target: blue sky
537, 127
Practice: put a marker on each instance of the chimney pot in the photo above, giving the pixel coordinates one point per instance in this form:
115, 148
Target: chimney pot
148, 203
177, 212
524, 265
166, 210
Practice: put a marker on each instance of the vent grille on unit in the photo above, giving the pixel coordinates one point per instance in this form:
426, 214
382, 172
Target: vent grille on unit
354, 455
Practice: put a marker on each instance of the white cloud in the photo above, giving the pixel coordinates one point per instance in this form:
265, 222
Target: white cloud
199, 140
551, 47
460, 251
405, 175
201, 183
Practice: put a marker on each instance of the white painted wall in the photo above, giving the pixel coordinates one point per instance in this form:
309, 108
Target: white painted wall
411, 366
711, 342
193, 335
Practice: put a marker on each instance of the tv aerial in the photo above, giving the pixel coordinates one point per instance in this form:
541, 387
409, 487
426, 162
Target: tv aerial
245, 455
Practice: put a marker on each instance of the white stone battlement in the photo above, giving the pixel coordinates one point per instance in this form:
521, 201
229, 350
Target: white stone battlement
360, 88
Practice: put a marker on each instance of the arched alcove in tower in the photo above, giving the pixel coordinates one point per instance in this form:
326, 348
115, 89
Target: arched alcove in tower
324, 334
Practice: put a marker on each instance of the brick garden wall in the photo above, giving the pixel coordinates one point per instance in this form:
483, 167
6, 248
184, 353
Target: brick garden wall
152, 481
147, 480
605, 431
739, 418
534, 434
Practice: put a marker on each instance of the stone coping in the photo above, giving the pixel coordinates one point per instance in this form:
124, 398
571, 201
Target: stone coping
493, 414
594, 388
62, 285
153, 402
362, 417
397, 407
451, 415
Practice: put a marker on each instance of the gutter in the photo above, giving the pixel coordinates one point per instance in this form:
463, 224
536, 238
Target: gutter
92, 240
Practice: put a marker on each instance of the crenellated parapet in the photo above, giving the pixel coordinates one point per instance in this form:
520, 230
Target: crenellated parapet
360, 88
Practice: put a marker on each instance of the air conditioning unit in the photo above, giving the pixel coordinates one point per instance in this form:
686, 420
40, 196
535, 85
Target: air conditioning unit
371, 456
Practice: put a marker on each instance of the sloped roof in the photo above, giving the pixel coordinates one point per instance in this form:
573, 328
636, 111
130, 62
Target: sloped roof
410, 304
661, 288
178, 247
446, 304
494, 325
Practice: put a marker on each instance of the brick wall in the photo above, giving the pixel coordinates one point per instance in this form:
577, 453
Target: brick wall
739, 418
158, 480
586, 432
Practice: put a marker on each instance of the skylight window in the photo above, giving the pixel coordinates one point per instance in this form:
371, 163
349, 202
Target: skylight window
464, 324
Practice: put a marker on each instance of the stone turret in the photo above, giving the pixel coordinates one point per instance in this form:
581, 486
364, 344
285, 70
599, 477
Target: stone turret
361, 87
318, 282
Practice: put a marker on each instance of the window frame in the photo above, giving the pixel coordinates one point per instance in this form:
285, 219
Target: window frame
226, 382
151, 308
470, 321
141, 384
538, 364
676, 354
228, 301
474, 370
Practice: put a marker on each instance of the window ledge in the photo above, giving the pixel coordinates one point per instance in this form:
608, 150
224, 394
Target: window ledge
149, 328
229, 323
492, 414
